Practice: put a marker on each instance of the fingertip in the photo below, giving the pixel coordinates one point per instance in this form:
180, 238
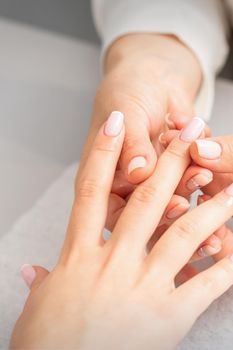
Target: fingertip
140, 168
28, 274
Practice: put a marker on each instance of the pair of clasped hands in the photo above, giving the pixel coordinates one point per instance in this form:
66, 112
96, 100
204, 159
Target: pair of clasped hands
137, 290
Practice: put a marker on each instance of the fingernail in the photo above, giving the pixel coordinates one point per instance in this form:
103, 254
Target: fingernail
199, 181
169, 122
114, 124
28, 274
176, 212
208, 250
231, 257
229, 190
162, 139
193, 130
208, 149
135, 163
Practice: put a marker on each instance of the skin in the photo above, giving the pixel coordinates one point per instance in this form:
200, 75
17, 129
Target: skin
148, 77
103, 295
222, 170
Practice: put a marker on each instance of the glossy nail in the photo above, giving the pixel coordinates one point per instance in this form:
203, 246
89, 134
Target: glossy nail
193, 130
208, 250
136, 163
176, 212
208, 149
28, 274
114, 124
199, 181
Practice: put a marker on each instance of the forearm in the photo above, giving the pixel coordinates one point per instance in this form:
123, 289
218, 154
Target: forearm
160, 53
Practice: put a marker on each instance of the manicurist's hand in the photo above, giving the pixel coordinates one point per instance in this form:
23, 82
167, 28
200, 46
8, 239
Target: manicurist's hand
153, 79
113, 295
147, 77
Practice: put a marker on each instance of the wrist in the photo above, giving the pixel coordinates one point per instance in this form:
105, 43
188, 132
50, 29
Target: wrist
163, 55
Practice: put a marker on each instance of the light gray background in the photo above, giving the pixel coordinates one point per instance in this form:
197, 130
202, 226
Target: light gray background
69, 17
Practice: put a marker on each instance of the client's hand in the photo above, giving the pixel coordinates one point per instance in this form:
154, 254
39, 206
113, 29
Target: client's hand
112, 295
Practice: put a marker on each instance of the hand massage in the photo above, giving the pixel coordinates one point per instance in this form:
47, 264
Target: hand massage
148, 150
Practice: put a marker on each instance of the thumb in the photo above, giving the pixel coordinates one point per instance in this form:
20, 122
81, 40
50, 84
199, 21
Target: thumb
33, 275
214, 153
138, 157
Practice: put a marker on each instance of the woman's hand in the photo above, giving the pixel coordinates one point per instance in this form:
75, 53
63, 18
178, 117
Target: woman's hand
113, 295
150, 78
147, 77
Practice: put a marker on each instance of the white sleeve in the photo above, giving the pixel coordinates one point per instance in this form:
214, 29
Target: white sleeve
200, 24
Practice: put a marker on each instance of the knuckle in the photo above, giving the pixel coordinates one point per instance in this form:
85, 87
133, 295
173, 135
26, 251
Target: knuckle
207, 281
226, 269
105, 149
145, 193
186, 229
87, 189
175, 152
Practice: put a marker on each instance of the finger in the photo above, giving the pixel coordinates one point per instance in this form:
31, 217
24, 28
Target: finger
115, 206
177, 206
211, 246
167, 137
185, 274
120, 185
215, 154
150, 199
194, 178
226, 237
91, 201
33, 276
182, 239
138, 157
199, 292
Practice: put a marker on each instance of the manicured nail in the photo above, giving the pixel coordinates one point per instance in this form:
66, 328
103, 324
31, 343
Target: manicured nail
229, 190
176, 212
193, 130
169, 122
114, 124
28, 274
135, 163
208, 250
199, 181
208, 149
162, 139
231, 257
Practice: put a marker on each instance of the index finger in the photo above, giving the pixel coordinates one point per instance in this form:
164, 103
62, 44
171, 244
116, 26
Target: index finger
94, 185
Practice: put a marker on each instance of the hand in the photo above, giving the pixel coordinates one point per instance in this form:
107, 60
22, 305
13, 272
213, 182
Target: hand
216, 154
149, 78
112, 295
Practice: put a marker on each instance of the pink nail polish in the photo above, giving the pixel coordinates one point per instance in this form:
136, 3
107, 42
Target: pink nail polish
28, 274
135, 163
199, 181
208, 149
193, 130
114, 124
208, 250
229, 190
